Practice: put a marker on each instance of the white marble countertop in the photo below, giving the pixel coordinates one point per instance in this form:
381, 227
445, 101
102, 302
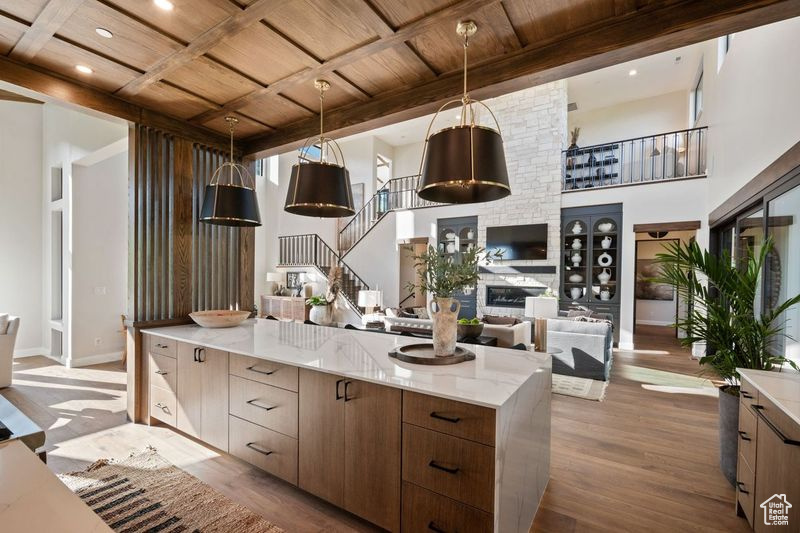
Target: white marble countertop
782, 389
490, 380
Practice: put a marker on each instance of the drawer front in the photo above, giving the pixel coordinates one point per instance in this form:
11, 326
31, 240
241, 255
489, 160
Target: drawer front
745, 489
160, 345
163, 405
424, 510
265, 405
748, 394
163, 372
775, 418
463, 420
276, 374
269, 450
747, 436
457, 468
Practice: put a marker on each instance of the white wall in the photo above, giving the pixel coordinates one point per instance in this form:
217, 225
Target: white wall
21, 218
638, 118
751, 105
406, 159
99, 259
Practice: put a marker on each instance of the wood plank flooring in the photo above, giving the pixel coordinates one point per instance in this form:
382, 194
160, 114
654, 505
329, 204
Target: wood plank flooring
644, 459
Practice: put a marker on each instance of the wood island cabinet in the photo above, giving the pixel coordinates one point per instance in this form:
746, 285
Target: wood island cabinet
202, 409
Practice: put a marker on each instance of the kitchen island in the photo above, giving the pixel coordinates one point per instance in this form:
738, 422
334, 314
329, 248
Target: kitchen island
408, 447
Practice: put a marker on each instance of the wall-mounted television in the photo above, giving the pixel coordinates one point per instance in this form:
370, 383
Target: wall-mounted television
523, 242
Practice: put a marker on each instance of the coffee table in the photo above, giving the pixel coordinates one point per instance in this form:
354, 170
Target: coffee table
483, 340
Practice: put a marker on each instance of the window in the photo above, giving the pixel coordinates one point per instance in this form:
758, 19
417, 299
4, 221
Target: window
697, 99
723, 46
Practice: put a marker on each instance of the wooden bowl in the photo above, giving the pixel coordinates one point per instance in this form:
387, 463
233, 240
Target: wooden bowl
472, 331
219, 318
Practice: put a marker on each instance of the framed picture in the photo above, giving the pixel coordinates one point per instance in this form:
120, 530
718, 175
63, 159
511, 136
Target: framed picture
649, 290
294, 279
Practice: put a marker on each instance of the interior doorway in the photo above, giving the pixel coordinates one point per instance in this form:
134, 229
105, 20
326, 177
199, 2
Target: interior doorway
408, 275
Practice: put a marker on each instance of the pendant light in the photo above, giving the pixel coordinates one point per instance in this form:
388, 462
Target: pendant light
464, 164
320, 188
233, 203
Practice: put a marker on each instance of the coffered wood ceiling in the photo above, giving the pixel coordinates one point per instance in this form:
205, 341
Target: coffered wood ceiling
387, 60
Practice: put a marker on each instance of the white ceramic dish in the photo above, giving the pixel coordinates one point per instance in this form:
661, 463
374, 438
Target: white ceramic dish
219, 318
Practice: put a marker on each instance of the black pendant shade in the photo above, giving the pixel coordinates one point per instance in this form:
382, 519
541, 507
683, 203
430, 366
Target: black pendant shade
319, 189
463, 165
230, 205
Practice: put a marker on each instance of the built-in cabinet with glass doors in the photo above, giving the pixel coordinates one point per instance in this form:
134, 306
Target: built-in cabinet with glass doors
456, 236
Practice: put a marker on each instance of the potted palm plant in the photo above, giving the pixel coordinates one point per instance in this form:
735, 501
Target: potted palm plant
725, 318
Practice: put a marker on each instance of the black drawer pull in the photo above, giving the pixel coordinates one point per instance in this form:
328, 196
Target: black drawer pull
254, 403
338, 382
434, 464
253, 446
433, 527
746, 394
346, 397
786, 440
743, 435
739, 485
162, 346
162, 407
453, 419
253, 369
162, 372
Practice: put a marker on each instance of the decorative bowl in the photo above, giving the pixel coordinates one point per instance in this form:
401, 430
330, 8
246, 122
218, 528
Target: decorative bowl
605, 227
471, 331
219, 318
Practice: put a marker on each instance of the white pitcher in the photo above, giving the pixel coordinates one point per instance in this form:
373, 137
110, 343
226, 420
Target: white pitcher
605, 244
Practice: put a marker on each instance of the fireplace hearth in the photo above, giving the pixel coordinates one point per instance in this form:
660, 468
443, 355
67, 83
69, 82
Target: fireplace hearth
510, 296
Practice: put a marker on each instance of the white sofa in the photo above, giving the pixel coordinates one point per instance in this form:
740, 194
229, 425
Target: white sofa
507, 336
8, 337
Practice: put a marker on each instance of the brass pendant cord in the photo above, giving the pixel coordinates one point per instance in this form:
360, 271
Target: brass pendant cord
321, 118
231, 125
465, 98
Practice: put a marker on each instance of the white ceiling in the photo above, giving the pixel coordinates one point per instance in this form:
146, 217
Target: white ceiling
655, 75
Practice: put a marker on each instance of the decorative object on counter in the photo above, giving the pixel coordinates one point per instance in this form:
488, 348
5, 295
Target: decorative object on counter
442, 277
605, 244
742, 337
576, 259
470, 328
320, 310
233, 203
575, 292
576, 244
369, 300
605, 227
425, 354
575, 278
604, 276
320, 188
605, 295
577, 228
219, 318
605, 259
466, 163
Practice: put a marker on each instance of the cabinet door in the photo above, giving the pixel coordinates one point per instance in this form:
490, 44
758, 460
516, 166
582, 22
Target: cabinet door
372, 452
202, 410
321, 435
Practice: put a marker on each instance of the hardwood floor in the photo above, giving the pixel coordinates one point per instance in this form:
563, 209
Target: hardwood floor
643, 459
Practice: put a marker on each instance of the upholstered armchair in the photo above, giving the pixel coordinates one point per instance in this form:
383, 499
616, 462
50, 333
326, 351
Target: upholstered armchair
8, 337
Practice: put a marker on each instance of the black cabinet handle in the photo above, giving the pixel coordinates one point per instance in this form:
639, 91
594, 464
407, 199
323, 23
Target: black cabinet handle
786, 440
434, 464
162, 346
453, 419
195, 354
746, 394
338, 382
253, 446
739, 485
162, 372
266, 373
743, 435
201, 352
433, 527
346, 384
254, 403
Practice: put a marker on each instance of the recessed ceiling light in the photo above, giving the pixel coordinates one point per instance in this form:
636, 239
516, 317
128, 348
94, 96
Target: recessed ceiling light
166, 5
632, 72
83, 69
102, 32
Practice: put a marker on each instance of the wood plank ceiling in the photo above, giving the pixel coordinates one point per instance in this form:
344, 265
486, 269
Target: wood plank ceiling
387, 59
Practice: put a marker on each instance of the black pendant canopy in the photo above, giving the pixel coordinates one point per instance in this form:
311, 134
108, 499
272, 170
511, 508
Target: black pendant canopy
233, 203
320, 188
464, 164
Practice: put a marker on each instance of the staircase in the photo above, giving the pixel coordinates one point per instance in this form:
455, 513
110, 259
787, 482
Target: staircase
396, 194
309, 250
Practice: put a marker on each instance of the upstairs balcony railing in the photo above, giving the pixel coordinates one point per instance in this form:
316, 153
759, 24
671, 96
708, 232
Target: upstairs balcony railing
665, 156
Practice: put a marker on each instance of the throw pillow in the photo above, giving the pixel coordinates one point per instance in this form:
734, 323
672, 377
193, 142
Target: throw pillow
422, 312
406, 314
500, 320
3, 323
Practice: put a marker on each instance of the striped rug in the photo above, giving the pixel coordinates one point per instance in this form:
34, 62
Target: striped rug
145, 493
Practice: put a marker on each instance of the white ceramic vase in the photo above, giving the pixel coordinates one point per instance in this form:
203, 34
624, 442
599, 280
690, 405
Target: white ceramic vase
577, 228
321, 314
605, 259
604, 276
605, 227
605, 244
444, 313
576, 244
576, 259
605, 295
575, 278
575, 293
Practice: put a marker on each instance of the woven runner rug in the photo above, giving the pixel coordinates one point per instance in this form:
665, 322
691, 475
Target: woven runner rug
145, 493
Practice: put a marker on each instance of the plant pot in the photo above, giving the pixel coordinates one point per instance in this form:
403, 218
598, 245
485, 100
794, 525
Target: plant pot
728, 434
321, 314
444, 313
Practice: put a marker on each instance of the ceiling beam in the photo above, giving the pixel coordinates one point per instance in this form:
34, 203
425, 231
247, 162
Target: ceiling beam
409, 31
54, 14
61, 88
608, 43
202, 44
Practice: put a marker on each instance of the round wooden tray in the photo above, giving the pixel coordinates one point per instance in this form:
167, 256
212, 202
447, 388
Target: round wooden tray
422, 354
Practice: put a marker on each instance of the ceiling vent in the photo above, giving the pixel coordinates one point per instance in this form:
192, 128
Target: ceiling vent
572, 106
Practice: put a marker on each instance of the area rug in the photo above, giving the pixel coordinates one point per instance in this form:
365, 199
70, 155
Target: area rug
145, 493
588, 389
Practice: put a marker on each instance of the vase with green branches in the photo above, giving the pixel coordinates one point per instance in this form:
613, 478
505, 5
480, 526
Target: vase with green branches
724, 317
